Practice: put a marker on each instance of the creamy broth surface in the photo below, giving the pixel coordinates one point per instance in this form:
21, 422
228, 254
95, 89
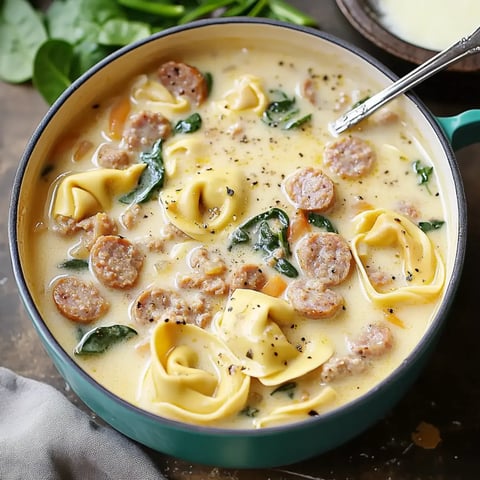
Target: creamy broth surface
246, 355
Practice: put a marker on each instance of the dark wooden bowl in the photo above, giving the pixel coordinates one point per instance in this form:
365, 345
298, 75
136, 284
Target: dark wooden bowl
365, 19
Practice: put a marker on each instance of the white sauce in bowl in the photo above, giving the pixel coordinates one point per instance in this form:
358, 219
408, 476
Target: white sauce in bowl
432, 24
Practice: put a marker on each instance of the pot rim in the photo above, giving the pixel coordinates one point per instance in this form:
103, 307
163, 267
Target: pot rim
428, 337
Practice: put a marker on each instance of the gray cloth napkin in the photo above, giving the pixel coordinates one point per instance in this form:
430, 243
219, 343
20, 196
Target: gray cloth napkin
45, 437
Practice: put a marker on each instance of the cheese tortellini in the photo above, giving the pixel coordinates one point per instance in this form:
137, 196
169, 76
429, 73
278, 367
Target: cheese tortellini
81, 195
263, 333
297, 410
193, 376
247, 94
157, 97
206, 204
423, 269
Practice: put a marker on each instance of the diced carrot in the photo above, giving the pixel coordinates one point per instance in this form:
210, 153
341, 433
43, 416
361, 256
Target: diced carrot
275, 286
82, 148
392, 318
299, 226
118, 115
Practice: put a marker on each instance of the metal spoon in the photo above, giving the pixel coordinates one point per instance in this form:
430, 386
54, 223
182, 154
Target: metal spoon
464, 47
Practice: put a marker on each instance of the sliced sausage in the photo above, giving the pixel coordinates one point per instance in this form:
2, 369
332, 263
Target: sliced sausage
181, 79
158, 304
208, 273
116, 261
207, 262
209, 284
145, 128
248, 276
337, 367
161, 305
96, 226
78, 300
310, 298
109, 156
310, 189
349, 157
374, 340
324, 256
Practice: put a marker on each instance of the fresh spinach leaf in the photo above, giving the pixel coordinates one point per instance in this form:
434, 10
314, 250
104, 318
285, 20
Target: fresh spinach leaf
74, 264
423, 173
287, 388
21, 33
362, 100
164, 9
190, 124
321, 222
203, 9
119, 32
267, 240
151, 179
101, 339
249, 411
288, 13
51, 68
85, 55
431, 225
283, 112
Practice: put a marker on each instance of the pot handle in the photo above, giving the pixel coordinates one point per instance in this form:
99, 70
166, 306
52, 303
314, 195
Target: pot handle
462, 129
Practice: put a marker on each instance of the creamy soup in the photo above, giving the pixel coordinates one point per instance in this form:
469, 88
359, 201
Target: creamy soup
206, 250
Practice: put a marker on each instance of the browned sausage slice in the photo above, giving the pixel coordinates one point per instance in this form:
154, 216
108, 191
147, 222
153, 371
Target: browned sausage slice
158, 304
248, 276
109, 156
349, 157
310, 298
374, 340
145, 128
337, 367
310, 189
184, 80
324, 256
78, 300
116, 261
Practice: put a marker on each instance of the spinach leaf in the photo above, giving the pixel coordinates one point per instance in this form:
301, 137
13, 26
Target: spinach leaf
85, 55
101, 339
268, 241
321, 222
119, 32
190, 124
203, 9
21, 34
51, 68
287, 388
288, 13
74, 264
283, 112
249, 411
431, 225
362, 100
151, 179
423, 173
165, 9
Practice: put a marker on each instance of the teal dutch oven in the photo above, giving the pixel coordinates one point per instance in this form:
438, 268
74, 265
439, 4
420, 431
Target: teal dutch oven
272, 446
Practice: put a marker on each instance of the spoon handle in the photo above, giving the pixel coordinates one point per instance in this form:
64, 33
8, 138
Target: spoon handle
466, 46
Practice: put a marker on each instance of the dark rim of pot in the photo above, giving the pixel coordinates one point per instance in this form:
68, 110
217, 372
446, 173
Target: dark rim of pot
420, 349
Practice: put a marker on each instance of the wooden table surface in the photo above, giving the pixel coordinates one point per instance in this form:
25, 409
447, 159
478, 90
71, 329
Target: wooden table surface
447, 395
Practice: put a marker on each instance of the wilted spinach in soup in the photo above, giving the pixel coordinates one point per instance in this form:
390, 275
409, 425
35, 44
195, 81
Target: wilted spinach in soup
206, 250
